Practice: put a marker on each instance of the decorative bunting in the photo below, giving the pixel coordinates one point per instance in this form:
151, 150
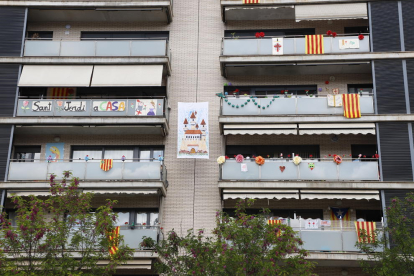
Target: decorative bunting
314, 45
113, 238
282, 168
106, 164
367, 229
352, 107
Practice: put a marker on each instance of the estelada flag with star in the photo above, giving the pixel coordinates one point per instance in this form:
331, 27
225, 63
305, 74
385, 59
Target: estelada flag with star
106, 164
340, 214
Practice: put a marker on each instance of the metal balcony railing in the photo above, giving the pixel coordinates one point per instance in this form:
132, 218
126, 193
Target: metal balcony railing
288, 105
128, 47
143, 107
319, 170
129, 169
292, 45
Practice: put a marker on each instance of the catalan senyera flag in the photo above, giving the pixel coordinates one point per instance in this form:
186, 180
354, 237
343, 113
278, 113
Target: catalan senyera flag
368, 229
61, 92
251, 1
352, 108
274, 222
106, 164
314, 45
113, 237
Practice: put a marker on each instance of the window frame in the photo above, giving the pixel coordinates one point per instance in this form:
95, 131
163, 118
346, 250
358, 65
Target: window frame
29, 149
136, 150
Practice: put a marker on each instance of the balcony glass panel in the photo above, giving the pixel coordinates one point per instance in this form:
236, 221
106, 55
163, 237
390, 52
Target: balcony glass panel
294, 46
324, 170
299, 105
146, 47
133, 237
85, 170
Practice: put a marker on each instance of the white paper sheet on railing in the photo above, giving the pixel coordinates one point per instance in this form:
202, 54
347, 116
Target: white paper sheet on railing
193, 134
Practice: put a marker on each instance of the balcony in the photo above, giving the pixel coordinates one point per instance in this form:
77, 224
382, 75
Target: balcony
144, 170
323, 170
133, 237
343, 54
296, 105
97, 48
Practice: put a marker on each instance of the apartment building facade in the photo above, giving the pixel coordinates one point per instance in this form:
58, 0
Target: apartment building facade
82, 81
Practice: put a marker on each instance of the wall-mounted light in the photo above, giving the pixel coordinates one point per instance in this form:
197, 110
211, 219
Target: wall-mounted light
67, 26
334, 139
56, 139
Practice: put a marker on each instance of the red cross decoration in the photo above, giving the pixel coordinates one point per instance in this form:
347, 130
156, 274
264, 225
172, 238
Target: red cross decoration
278, 46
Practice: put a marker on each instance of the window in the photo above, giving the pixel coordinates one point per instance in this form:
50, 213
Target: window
137, 217
365, 150
43, 35
369, 215
27, 154
12, 216
272, 90
281, 32
356, 30
124, 35
363, 89
131, 153
274, 151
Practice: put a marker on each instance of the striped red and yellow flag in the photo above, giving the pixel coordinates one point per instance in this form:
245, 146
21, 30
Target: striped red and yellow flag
113, 238
106, 164
352, 107
314, 45
275, 222
251, 1
368, 229
61, 93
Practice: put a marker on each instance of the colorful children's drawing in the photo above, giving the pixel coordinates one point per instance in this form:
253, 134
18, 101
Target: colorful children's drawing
54, 152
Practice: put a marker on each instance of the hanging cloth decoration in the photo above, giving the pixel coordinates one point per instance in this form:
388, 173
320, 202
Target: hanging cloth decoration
106, 164
314, 45
275, 222
251, 1
352, 107
334, 100
113, 239
365, 231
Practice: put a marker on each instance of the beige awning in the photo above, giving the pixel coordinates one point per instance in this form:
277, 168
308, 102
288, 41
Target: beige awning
127, 75
331, 11
340, 194
56, 75
131, 192
27, 193
336, 129
260, 194
267, 129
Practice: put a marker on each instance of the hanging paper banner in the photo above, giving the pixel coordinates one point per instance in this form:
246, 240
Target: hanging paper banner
277, 44
54, 152
193, 135
244, 167
348, 44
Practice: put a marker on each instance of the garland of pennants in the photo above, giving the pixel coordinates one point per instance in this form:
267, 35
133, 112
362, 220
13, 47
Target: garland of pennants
253, 101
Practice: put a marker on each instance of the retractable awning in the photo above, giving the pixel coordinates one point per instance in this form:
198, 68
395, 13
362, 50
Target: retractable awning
56, 75
260, 194
331, 11
336, 129
28, 193
268, 129
131, 192
127, 75
340, 194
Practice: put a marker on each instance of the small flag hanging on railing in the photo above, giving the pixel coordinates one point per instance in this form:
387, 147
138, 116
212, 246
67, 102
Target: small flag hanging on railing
106, 164
61, 92
251, 1
113, 238
352, 107
314, 45
275, 222
365, 231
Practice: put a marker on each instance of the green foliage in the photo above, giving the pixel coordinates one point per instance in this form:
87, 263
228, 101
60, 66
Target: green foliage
396, 241
60, 235
245, 245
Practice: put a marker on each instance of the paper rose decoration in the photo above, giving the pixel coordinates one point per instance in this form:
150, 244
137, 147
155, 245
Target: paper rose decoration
361, 37
337, 159
297, 160
239, 158
259, 160
221, 160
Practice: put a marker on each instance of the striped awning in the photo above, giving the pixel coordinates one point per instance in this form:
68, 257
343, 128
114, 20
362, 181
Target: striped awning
337, 129
340, 194
265, 129
331, 11
260, 194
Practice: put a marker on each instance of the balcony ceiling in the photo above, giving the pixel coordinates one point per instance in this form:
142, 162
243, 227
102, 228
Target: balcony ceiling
96, 15
259, 13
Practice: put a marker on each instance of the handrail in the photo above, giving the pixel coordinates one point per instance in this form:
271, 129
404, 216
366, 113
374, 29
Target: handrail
81, 159
280, 95
291, 36
90, 98
93, 39
306, 159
